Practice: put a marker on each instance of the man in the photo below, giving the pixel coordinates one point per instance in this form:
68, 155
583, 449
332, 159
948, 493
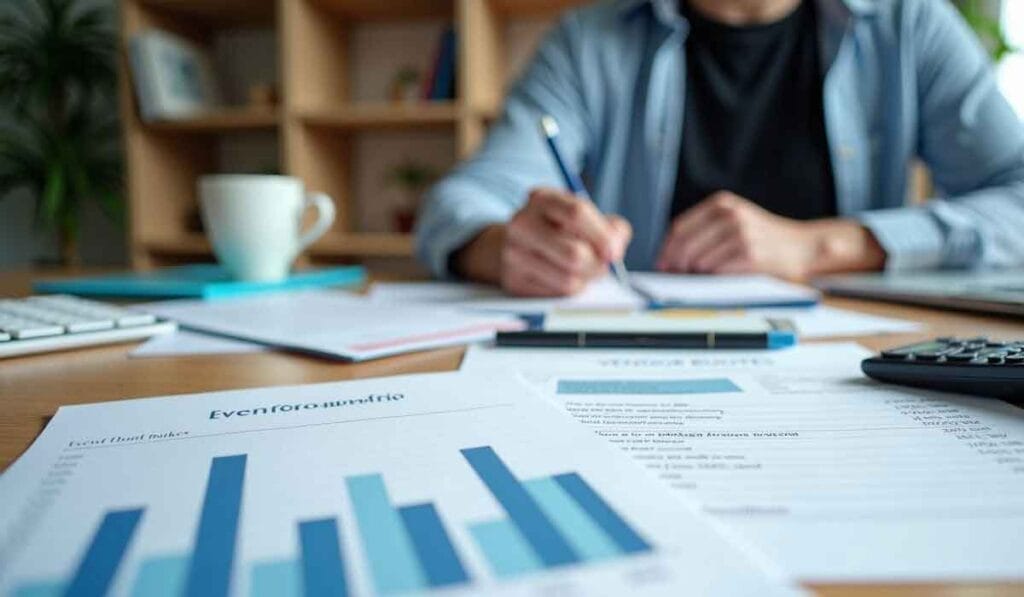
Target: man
734, 136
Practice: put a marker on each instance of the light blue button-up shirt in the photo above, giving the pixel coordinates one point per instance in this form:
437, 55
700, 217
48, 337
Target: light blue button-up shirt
904, 79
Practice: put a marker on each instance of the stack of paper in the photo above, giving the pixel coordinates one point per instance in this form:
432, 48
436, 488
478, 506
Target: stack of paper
333, 324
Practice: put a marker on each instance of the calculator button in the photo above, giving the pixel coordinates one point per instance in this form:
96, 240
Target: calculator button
1014, 359
994, 344
930, 355
962, 357
894, 355
995, 360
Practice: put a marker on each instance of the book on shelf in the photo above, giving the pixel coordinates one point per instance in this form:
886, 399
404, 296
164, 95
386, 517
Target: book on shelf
440, 84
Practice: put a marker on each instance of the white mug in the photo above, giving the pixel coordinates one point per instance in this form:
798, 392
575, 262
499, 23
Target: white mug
254, 222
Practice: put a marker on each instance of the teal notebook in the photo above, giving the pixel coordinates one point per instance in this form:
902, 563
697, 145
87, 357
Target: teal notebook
196, 281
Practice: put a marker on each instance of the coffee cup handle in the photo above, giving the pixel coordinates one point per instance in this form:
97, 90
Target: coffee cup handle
325, 217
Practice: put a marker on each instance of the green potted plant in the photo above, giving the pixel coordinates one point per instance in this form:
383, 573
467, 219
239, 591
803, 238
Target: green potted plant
60, 139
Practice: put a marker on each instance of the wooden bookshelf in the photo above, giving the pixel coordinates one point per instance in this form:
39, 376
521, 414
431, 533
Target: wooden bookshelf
318, 123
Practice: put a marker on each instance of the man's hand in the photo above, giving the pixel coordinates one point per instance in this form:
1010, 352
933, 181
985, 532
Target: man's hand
553, 246
727, 234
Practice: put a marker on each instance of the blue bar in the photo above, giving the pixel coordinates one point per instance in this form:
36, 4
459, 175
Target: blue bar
322, 571
276, 579
99, 564
437, 555
549, 545
161, 576
586, 536
40, 589
647, 386
600, 512
389, 548
504, 547
209, 573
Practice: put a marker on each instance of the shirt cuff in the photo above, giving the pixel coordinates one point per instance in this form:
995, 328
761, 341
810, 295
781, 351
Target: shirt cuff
912, 238
437, 252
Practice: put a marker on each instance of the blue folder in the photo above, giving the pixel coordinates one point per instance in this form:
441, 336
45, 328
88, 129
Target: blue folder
196, 281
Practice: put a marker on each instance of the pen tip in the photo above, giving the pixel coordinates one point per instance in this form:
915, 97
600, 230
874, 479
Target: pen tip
548, 125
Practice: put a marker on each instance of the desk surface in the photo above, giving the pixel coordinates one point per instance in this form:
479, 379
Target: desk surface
32, 388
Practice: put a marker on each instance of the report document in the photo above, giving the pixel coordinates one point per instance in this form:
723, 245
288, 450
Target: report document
452, 483
836, 477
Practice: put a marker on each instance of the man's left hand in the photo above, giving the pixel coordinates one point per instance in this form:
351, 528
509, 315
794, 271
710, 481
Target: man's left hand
727, 234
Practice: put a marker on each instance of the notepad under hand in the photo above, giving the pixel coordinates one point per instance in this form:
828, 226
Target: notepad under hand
206, 281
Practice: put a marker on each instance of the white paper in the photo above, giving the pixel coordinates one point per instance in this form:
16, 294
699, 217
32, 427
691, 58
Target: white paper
185, 343
333, 324
836, 477
296, 451
823, 321
720, 291
605, 293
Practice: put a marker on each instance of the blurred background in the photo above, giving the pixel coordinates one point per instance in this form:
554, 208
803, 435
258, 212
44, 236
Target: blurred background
367, 100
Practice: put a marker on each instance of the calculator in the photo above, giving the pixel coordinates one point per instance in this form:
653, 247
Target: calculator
974, 366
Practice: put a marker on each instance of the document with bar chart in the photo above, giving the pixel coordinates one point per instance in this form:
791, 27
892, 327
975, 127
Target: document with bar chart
837, 478
448, 483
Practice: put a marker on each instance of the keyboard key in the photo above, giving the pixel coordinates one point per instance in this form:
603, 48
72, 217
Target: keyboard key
26, 328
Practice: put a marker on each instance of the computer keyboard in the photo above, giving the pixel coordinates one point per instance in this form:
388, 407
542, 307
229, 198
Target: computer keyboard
59, 322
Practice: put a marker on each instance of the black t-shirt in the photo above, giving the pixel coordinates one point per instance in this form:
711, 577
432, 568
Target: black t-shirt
754, 119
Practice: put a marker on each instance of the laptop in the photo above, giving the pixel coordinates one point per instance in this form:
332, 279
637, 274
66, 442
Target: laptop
996, 292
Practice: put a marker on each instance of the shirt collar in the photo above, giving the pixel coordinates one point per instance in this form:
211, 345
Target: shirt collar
667, 11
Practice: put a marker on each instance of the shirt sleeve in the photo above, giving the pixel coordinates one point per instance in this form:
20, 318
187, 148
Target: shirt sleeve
972, 141
491, 186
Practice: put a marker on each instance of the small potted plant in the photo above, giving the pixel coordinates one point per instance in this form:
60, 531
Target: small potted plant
405, 85
412, 179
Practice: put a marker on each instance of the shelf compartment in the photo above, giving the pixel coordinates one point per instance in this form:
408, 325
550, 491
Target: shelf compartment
387, 10
220, 121
382, 115
363, 245
220, 13
331, 246
534, 8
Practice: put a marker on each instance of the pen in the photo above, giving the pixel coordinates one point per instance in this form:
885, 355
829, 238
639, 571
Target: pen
703, 340
549, 128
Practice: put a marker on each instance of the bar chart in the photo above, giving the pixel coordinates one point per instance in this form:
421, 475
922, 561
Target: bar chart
547, 522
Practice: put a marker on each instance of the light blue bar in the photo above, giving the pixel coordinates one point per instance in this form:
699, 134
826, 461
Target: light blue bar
389, 549
583, 533
505, 548
161, 576
276, 579
99, 565
534, 526
628, 540
647, 386
40, 589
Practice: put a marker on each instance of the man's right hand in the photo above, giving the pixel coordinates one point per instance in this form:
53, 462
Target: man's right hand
554, 246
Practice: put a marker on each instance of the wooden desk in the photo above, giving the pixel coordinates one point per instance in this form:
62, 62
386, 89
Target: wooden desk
31, 388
